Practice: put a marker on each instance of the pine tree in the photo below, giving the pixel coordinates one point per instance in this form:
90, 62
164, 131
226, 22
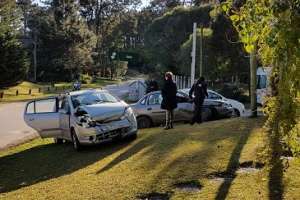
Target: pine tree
13, 59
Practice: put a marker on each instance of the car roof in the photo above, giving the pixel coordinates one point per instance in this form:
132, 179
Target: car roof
86, 91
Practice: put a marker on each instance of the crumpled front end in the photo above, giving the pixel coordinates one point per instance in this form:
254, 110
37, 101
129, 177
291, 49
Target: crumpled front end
93, 132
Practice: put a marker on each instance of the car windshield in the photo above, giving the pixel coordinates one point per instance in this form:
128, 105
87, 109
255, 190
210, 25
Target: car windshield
92, 98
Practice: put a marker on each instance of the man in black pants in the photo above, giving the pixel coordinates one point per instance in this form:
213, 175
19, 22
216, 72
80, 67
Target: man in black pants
199, 90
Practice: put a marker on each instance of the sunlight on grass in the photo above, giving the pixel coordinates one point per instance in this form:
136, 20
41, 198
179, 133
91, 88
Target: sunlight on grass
46, 89
154, 162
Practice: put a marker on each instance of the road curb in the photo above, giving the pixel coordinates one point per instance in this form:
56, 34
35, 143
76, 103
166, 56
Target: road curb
19, 142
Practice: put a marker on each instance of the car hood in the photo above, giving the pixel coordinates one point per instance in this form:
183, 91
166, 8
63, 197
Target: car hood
105, 111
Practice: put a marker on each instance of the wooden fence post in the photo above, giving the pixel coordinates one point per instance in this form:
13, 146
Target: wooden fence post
1, 95
17, 92
29, 92
40, 90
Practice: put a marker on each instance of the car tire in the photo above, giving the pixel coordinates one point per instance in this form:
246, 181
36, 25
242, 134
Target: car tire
58, 141
76, 144
212, 114
131, 137
144, 122
236, 113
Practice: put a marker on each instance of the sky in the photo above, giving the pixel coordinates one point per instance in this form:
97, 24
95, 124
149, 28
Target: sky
144, 2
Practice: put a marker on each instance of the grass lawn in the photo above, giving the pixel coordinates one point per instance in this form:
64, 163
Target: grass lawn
155, 162
23, 88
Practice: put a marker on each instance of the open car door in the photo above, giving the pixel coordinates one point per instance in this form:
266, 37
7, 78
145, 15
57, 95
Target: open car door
43, 116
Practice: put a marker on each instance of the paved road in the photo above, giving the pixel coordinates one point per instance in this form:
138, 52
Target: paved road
13, 129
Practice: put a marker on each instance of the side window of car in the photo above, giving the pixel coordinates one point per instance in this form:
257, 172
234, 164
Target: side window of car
143, 102
42, 106
181, 98
155, 99
212, 95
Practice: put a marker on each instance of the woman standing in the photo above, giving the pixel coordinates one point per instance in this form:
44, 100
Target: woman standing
169, 102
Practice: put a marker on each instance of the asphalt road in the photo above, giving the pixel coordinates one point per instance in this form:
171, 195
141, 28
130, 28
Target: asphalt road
13, 129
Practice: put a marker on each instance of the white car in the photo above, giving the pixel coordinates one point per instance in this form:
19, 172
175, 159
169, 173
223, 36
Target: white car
83, 117
239, 108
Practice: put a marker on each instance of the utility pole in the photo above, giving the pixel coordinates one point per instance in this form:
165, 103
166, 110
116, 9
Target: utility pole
201, 51
193, 54
253, 68
34, 54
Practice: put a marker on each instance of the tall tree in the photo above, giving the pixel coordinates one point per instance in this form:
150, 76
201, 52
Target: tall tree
102, 17
166, 34
13, 59
65, 44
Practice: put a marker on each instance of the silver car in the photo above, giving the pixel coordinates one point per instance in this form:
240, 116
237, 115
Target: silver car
83, 117
148, 112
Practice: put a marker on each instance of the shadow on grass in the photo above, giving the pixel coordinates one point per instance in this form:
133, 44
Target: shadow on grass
49, 161
232, 166
152, 142
276, 172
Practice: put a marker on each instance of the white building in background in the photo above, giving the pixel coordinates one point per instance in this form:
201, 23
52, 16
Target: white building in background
263, 88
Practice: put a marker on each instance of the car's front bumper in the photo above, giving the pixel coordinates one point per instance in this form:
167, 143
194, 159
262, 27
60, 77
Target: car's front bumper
105, 132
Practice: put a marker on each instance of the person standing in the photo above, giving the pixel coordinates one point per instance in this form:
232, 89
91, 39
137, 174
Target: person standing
169, 102
198, 92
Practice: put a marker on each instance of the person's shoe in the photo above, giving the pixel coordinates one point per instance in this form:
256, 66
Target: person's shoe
192, 123
166, 128
171, 126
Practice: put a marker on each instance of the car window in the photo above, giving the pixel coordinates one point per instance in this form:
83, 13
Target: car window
155, 99
212, 95
30, 108
261, 82
181, 98
143, 102
64, 104
42, 106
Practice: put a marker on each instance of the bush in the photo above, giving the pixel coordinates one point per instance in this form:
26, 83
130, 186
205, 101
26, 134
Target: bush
86, 79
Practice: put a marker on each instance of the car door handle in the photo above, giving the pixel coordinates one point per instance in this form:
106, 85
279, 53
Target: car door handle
149, 108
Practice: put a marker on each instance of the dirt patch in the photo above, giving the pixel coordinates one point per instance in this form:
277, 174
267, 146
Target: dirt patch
154, 196
250, 166
247, 164
189, 186
221, 176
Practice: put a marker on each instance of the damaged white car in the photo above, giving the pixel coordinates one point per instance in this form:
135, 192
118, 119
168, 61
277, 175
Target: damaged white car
83, 117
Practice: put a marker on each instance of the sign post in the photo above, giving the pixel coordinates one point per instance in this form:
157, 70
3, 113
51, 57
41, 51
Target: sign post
193, 54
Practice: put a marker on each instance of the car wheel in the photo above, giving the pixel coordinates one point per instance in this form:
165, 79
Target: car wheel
236, 113
144, 122
211, 114
132, 137
75, 141
58, 141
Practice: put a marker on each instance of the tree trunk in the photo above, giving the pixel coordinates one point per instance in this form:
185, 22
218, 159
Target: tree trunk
253, 67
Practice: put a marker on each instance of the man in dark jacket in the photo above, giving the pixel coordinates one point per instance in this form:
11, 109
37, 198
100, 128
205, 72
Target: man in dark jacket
199, 90
169, 102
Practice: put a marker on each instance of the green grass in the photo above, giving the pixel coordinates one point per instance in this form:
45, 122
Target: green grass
154, 162
23, 88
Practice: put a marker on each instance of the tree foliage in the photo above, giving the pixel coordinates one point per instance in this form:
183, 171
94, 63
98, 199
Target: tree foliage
13, 58
166, 34
65, 44
275, 27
